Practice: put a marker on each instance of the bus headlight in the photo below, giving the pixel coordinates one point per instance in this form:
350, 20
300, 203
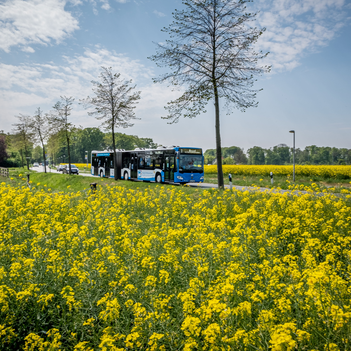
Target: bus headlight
202, 178
179, 178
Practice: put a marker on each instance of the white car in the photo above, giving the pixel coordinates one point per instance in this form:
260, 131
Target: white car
35, 164
74, 169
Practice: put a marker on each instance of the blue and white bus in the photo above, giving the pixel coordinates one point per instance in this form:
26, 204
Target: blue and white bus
162, 165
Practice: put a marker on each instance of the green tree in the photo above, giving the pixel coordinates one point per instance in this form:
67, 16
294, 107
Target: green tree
256, 156
88, 139
278, 155
37, 154
23, 137
147, 143
55, 144
345, 154
210, 156
210, 52
230, 151
228, 161
235, 153
114, 103
3, 149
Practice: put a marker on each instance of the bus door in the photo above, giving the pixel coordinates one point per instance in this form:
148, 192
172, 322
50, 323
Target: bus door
94, 163
98, 165
167, 168
172, 167
107, 167
111, 167
134, 166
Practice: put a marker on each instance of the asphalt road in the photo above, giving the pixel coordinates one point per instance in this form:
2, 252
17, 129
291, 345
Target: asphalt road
49, 170
193, 185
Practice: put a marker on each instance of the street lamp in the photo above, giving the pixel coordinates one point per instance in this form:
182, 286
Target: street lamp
292, 131
86, 157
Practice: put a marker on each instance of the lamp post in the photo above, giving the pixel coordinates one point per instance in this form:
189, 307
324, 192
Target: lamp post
86, 157
292, 131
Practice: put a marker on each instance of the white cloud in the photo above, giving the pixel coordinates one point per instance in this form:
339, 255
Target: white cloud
159, 14
105, 5
34, 22
297, 27
23, 88
28, 49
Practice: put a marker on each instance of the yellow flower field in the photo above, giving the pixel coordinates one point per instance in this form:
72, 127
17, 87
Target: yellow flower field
161, 269
336, 172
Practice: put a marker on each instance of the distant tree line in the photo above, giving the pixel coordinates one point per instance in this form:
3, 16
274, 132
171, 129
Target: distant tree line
282, 155
13, 152
230, 156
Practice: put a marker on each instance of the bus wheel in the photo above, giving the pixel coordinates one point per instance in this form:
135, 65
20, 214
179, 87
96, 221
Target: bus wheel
125, 175
158, 178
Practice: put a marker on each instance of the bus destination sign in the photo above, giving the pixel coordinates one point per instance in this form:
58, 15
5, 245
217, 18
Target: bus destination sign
191, 151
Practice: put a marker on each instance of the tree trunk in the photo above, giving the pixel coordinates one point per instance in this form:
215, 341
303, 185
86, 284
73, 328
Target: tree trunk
44, 157
21, 153
26, 155
216, 98
114, 154
69, 155
218, 140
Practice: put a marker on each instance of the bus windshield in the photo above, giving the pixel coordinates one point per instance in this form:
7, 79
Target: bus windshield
190, 163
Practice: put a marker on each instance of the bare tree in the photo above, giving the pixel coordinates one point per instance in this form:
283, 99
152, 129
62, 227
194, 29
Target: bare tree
210, 52
114, 103
23, 136
60, 123
40, 128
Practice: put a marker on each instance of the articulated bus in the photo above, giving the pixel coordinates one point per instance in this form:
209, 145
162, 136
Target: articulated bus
165, 164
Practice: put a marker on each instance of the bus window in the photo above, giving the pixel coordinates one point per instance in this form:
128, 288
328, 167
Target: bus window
158, 161
148, 161
126, 160
172, 164
141, 162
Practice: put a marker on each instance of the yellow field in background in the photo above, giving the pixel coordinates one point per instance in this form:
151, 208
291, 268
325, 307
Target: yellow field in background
337, 172
79, 165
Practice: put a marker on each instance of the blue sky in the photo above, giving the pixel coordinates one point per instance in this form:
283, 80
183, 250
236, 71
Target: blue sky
50, 48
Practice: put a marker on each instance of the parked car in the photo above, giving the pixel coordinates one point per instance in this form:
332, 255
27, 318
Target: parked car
74, 169
60, 168
35, 164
